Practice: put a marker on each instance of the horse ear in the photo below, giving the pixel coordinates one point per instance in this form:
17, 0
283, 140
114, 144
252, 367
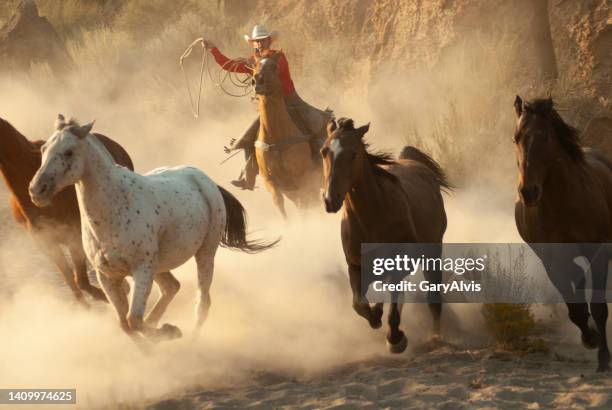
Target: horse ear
83, 130
363, 129
518, 106
60, 122
331, 126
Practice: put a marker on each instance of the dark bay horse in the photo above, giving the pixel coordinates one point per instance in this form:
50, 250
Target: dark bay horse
385, 201
565, 196
59, 224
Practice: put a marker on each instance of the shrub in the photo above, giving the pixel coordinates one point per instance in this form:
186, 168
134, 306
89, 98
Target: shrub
511, 326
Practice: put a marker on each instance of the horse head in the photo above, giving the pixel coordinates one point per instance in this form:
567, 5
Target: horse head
62, 160
343, 153
542, 139
267, 82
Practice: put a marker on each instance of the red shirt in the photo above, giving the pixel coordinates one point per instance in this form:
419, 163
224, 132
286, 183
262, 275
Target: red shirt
245, 66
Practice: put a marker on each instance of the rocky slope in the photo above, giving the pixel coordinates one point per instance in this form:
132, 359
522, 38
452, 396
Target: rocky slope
511, 40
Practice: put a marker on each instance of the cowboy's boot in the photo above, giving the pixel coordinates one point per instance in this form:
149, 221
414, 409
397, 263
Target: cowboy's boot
248, 175
246, 180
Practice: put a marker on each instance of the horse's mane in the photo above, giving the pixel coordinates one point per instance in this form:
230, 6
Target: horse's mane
61, 124
568, 136
25, 146
377, 159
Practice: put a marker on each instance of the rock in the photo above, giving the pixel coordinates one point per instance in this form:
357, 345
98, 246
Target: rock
29, 38
582, 33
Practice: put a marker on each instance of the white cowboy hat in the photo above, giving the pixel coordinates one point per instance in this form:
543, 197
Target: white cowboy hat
259, 33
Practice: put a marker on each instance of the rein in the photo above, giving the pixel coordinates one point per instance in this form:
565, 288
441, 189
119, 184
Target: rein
222, 76
278, 146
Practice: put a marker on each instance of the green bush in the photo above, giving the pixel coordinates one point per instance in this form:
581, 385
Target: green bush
511, 326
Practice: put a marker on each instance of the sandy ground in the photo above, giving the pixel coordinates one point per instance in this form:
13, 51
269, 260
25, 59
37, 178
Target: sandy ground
282, 333
432, 375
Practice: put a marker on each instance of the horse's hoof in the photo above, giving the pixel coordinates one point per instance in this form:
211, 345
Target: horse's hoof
591, 339
376, 324
398, 347
170, 331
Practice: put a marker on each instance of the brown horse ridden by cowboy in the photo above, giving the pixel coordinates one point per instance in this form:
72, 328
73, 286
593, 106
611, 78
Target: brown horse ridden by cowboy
385, 201
310, 121
565, 197
59, 224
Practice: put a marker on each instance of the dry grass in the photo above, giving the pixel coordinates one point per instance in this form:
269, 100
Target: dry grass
469, 120
146, 18
70, 16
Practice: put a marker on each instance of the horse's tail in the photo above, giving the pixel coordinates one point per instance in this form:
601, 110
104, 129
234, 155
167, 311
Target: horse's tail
414, 154
234, 235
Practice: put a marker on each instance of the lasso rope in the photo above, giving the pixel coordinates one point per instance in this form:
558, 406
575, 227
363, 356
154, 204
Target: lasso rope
223, 75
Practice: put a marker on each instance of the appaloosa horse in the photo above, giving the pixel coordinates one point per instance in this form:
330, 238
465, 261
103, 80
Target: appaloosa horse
565, 196
58, 224
385, 201
141, 225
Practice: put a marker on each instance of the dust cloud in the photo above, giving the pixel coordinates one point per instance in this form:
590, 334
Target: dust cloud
287, 310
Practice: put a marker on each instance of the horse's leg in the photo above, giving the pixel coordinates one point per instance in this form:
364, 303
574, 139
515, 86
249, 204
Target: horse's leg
205, 260
143, 282
279, 200
277, 196
113, 289
168, 286
599, 305
434, 299
396, 339
54, 252
361, 306
79, 260
562, 270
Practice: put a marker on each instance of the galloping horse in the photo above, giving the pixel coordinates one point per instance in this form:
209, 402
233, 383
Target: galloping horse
283, 151
384, 201
141, 225
565, 196
59, 223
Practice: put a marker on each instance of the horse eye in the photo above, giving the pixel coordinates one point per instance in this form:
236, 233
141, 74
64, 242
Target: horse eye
68, 153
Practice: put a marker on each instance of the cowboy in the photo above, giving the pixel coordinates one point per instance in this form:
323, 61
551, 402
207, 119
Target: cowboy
310, 120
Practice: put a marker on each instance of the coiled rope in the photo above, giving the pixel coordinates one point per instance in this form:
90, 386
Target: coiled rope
241, 81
